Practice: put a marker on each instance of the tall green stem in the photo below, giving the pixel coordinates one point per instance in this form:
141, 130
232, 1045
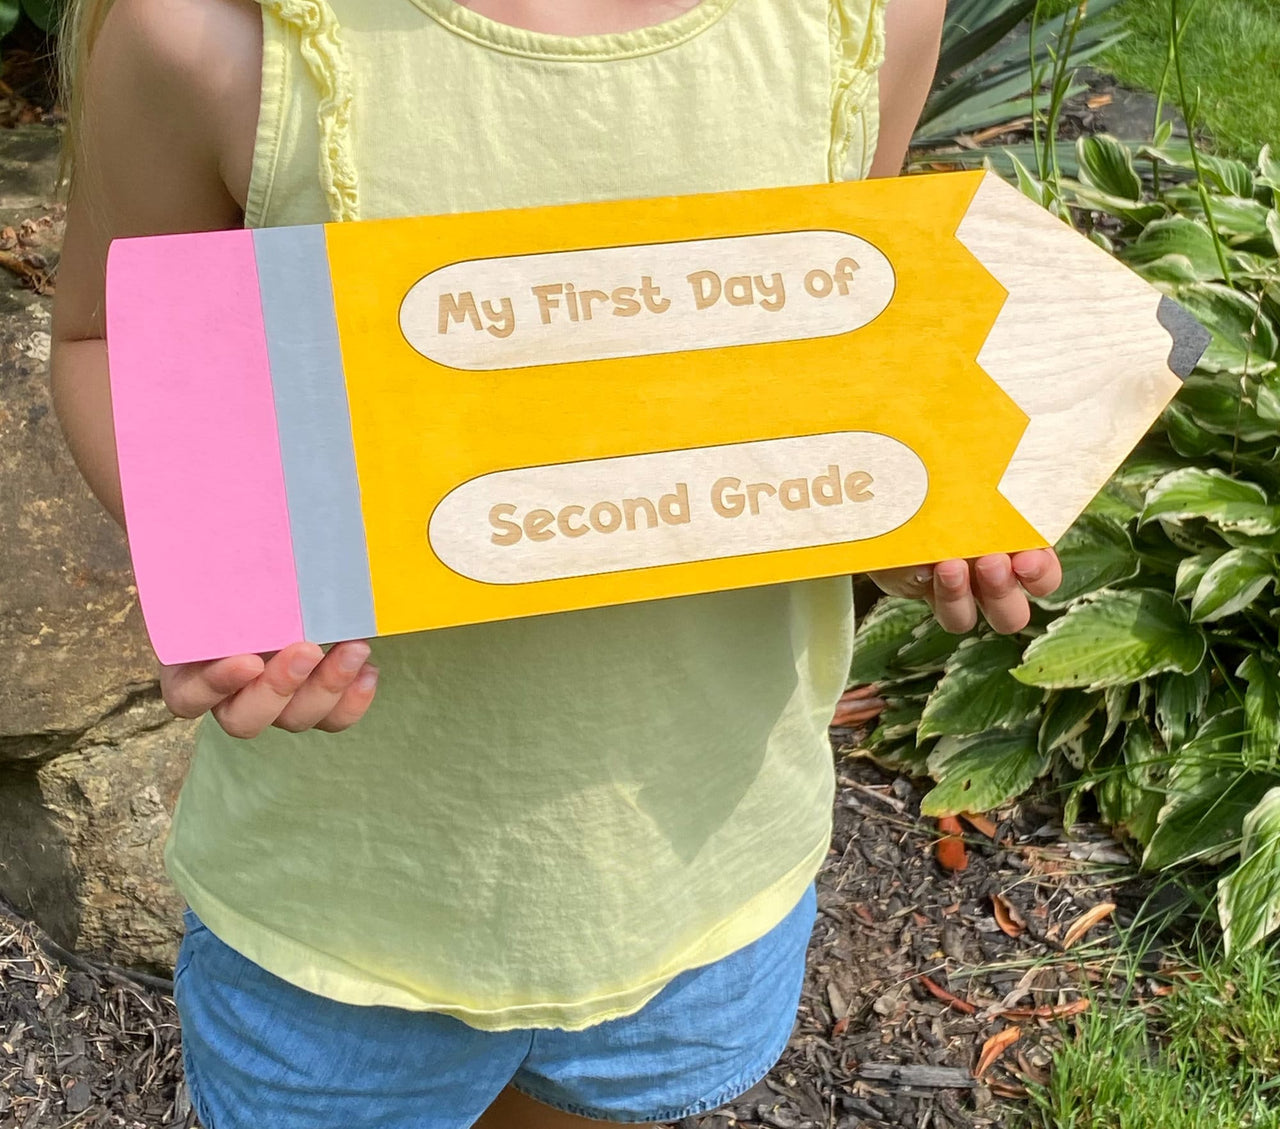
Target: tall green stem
1218, 245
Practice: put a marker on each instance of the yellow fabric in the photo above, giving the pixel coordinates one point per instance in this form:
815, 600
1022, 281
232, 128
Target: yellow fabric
540, 822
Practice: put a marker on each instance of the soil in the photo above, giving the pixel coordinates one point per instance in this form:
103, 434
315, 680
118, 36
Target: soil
914, 970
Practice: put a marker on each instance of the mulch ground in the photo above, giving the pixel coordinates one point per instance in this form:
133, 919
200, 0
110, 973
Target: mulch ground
933, 997
27, 94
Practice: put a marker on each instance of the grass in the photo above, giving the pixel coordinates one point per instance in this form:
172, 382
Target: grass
1209, 1056
1230, 55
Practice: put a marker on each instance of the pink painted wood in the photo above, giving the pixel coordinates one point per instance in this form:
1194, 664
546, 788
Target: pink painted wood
216, 572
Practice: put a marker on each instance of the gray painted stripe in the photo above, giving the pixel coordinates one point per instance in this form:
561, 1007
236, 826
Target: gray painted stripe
315, 434
1190, 339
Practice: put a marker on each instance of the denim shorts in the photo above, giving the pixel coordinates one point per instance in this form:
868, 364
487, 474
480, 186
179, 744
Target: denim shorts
260, 1053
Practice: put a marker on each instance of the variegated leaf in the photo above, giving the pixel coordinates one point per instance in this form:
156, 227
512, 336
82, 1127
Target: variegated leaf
983, 771
1249, 897
1262, 710
1194, 492
1231, 584
1111, 639
977, 692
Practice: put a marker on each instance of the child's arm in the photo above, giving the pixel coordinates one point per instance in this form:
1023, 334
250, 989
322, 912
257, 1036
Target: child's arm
912, 41
171, 101
998, 584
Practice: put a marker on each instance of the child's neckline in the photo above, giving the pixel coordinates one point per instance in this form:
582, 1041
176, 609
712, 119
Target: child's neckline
543, 45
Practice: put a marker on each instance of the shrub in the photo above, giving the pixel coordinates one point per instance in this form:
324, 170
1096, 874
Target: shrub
1151, 680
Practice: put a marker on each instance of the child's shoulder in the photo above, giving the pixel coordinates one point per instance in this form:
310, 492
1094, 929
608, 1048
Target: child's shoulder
195, 60
190, 69
195, 40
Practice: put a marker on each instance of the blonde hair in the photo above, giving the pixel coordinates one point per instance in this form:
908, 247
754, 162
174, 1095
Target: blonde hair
78, 29
322, 54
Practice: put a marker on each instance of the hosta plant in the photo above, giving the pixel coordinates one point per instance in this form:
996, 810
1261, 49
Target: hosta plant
996, 53
42, 13
1005, 63
1149, 684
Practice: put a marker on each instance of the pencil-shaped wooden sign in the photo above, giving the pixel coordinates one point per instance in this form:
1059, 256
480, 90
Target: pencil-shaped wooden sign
350, 430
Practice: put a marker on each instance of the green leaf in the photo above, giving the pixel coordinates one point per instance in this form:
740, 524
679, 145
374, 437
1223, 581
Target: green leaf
981, 772
1229, 176
1136, 213
905, 757
1112, 638
1095, 552
1075, 799
1208, 796
1273, 228
1175, 152
1216, 404
1178, 235
977, 693
1116, 700
898, 723
930, 647
1193, 492
1146, 466
10, 10
1269, 169
1244, 341
1191, 570
1187, 436
1128, 798
1180, 700
1117, 501
1244, 219
42, 13
893, 743
886, 629
1108, 165
1249, 897
993, 85
1190, 537
1266, 398
1162, 553
1267, 543
1177, 270
1028, 185
1066, 716
1141, 764
1231, 584
1206, 823
1261, 709
972, 28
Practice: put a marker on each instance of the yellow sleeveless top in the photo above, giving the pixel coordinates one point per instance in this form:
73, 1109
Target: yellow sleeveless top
541, 822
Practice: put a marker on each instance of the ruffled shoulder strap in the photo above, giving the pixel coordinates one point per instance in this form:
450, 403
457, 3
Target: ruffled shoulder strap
321, 48
857, 50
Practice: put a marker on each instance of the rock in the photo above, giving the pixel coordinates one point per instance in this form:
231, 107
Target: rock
81, 844
90, 760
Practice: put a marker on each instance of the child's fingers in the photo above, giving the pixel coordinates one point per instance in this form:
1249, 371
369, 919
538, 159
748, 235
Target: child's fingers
999, 593
191, 689
249, 712
1038, 570
915, 583
353, 705
324, 687
952, 597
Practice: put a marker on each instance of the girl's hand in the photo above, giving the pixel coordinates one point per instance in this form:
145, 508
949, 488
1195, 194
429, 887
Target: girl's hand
998, 584
295, 689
